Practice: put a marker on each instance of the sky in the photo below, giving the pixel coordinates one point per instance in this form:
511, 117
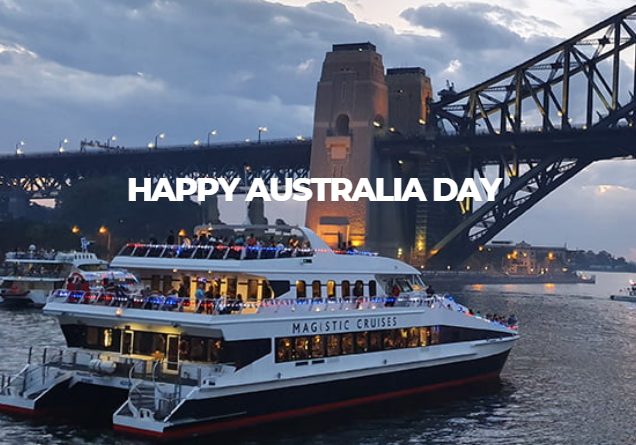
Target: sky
133, 68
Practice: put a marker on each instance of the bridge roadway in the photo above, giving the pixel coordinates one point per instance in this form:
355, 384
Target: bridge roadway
44, 174
269, 158
487, 149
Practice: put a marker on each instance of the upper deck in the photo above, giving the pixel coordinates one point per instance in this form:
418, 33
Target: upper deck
232, 242
53, 257
254, 250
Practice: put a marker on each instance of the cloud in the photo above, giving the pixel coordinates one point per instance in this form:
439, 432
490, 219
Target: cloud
152, 62
477, 26
49, 81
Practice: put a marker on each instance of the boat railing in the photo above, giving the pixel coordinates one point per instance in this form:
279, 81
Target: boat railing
227, 252
213, 252
228, 305
154, 301
31, 255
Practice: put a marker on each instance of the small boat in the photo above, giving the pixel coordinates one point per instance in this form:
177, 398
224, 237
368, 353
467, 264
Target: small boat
29, 277
628, 294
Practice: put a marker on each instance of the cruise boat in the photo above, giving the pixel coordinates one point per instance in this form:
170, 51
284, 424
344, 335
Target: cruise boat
29, 277
256, 326
628, 294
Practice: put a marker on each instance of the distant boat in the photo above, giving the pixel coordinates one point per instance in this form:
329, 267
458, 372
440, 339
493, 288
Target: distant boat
628, 294
29, 277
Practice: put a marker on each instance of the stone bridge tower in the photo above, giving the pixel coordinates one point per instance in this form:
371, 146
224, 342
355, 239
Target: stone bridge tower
351, 109
356, 103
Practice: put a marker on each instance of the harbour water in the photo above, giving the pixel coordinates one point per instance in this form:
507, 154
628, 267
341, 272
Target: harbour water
569, 380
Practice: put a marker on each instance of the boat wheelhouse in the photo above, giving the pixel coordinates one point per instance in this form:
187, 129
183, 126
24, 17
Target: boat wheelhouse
29, 277
280, 328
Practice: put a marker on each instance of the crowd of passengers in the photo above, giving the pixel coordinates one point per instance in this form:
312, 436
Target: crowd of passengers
32, 253
239, 240
510, 320
32, 270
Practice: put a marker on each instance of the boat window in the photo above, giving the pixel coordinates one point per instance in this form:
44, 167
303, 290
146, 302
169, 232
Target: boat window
375, 341
331, 289
401, 338
358, 289
215, 288
279, 288
231, 287
301, 292
404, 285
425, 336
333, 345
435, 335
417, 283
127, 342
345, 289
387, 340
362, 344
144, 343
238, 353
184, 349
266, 290
283, 350
317, 346
315, 289
92, 338
197, 349
347, 344
108, 338
301, 347
372, 289
413, 340
252, 290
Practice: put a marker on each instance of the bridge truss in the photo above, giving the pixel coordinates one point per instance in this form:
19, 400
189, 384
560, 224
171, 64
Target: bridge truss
569, 95
44, 176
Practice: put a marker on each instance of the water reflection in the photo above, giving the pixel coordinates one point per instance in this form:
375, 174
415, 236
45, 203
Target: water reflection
569, 380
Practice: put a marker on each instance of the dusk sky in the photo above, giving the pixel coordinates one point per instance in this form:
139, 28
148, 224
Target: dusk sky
132, 68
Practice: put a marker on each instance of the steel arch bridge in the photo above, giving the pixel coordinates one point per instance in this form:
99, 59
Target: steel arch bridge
541, 122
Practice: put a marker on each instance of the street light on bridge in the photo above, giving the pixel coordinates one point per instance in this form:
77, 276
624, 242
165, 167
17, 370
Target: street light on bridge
61, 147
211, 133
261, 130
156, 143
19, 148
113, 138
196, 142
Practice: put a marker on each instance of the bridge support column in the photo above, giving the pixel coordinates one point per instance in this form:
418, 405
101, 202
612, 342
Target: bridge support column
351, 110
433, 219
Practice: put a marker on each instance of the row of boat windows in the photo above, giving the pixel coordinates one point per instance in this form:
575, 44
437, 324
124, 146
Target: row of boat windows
171, 347
253, 289
347, 289
333, 345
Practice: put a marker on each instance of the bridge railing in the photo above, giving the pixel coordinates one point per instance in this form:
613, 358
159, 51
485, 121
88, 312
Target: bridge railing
164, 148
